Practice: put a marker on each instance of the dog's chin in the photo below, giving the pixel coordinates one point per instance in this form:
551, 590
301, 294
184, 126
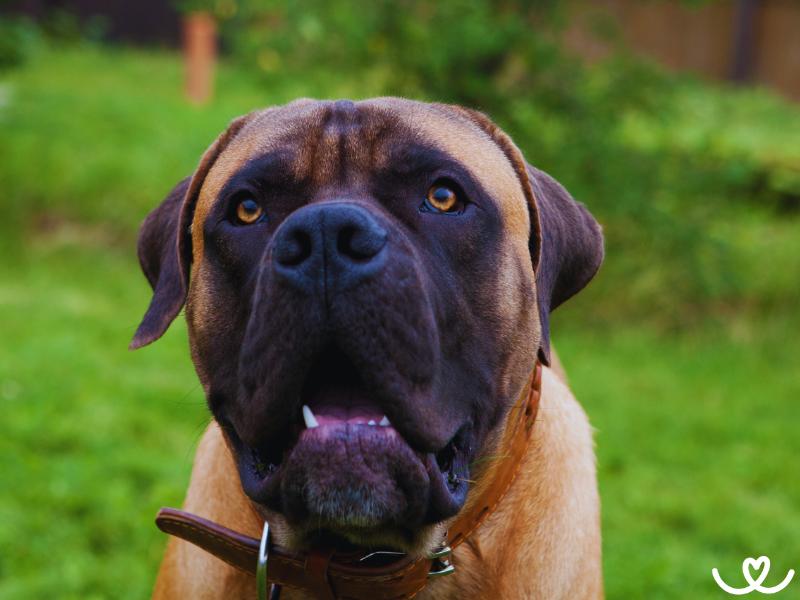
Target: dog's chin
346, 477
355, 484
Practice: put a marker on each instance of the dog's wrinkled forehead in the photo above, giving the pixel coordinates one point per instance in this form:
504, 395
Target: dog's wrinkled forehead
327, 141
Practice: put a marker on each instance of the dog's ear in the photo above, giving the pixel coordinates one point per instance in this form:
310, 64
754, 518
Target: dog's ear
566, 243
165, 248
566, 248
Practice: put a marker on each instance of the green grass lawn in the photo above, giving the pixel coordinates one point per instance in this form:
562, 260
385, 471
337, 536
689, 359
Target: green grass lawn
696, 423
698, 453
95, 437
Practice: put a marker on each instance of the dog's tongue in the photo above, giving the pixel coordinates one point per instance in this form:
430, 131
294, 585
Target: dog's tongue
335, 403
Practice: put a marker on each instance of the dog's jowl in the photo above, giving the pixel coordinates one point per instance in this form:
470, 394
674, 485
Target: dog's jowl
368, 289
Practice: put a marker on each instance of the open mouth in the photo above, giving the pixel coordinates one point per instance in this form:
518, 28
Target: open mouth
348, 463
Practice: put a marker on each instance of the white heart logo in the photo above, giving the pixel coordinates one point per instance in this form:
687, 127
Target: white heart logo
759, 566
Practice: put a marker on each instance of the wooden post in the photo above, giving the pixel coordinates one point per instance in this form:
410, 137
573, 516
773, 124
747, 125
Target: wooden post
200, 55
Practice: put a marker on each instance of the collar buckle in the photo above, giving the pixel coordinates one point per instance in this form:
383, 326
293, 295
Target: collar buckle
265, 590
441, 564
440, 552
441, 567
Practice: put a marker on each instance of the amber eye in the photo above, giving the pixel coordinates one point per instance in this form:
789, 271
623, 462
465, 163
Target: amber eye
249, 211
442, 199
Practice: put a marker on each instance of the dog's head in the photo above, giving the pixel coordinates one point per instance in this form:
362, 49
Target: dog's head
367, 286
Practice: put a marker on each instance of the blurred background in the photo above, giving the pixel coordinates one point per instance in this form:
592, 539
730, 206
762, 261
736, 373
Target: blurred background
676, 122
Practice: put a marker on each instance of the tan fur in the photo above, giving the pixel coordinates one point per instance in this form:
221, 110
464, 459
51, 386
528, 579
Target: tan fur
543, 542
557, 367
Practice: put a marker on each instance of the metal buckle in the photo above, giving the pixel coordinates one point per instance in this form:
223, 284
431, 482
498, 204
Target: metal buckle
441, 564
440, 567
440, 552
261, 568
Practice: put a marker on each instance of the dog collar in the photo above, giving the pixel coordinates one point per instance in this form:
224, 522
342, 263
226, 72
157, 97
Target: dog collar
328, 576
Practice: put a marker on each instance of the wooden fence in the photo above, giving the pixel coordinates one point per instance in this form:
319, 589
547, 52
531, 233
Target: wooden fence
754, 41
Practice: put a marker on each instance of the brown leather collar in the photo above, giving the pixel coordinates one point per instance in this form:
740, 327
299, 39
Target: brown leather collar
327, 576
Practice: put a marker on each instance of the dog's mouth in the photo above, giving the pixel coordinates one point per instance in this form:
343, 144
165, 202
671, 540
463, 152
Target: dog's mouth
343, 468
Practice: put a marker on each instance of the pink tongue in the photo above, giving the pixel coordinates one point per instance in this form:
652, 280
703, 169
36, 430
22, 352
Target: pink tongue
340, 404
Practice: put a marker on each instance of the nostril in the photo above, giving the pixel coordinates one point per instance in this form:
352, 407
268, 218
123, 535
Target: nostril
344, 241
358, 243
294, 248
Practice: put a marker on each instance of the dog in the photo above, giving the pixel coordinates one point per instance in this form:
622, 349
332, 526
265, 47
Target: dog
368, 288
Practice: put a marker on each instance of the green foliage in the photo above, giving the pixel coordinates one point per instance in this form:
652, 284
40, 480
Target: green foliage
19, 38
747, 140
459, 51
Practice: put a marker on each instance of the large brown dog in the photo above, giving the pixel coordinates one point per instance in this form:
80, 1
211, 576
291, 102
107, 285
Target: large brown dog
368, 286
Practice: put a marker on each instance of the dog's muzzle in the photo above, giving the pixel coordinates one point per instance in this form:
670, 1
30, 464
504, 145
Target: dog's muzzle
333, 423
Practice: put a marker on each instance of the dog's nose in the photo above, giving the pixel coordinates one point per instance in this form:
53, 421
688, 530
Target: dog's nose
335, 244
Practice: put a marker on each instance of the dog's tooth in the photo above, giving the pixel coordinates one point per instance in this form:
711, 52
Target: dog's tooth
384, 421
309, 418
371, 422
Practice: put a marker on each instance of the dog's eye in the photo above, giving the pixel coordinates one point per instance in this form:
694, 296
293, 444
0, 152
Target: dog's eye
248, 212
442, 199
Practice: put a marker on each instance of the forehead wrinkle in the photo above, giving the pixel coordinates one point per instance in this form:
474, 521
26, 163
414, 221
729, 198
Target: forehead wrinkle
348, 143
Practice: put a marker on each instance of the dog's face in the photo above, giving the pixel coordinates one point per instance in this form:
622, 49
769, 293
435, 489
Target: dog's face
367, 286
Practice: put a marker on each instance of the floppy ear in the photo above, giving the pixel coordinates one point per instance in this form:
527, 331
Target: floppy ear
567, 251
165, 248
566, 243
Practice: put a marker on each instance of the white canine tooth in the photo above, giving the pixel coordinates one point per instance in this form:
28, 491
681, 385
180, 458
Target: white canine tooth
384, 421
371, 422
309, 417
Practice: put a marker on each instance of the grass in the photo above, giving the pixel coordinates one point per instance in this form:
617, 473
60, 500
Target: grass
96, 438
697, 446
696, 423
